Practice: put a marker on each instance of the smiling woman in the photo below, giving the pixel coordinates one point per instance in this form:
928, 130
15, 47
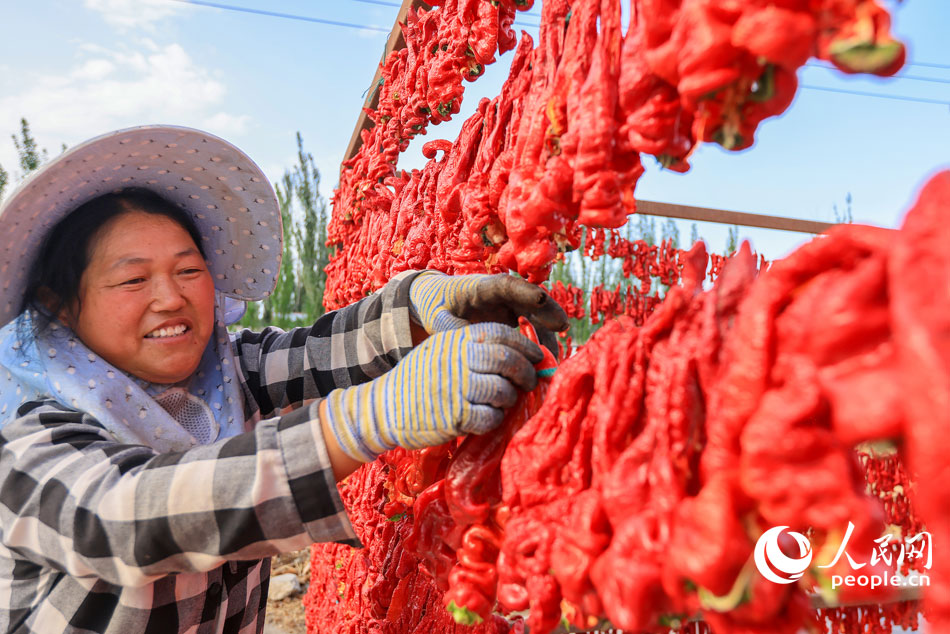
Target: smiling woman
126, 273
150, 461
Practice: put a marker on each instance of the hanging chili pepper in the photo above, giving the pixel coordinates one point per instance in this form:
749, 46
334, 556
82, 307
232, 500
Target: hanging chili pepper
692, 408
473, 495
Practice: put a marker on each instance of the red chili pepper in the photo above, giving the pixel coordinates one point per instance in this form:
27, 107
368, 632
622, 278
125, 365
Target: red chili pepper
435, 536
921, 330
473, 581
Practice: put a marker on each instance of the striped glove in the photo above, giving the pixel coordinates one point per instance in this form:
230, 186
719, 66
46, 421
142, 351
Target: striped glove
443, 302
454, 382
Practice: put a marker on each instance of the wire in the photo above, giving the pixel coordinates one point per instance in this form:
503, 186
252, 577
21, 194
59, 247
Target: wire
273, 14
384, 3
379, 2
934, 80
304, 18
929, 65
861, 93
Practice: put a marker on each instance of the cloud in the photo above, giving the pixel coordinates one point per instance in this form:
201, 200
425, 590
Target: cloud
106, 89
127, 84
95, 69
130, 14
225, 124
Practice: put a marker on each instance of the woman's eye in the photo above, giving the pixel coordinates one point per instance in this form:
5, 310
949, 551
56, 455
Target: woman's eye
136, 280
192, 271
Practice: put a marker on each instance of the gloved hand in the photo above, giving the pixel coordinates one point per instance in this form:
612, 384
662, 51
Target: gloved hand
443, 302
454, 382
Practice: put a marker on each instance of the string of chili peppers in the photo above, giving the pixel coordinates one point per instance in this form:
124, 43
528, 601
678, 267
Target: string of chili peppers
381, 588
872, 618
421, 84
663, 452
888, 480
642, 262
431, 521
561, 145
544, 157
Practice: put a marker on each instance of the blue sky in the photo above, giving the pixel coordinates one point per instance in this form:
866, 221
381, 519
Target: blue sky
78, 68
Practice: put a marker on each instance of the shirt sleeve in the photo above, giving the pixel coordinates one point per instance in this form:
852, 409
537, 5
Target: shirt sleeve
282, 370
75, 500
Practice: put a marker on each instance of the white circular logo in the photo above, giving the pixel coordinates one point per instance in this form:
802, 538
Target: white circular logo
769, 558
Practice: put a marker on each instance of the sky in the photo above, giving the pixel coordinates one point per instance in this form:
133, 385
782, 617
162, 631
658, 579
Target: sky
78, 68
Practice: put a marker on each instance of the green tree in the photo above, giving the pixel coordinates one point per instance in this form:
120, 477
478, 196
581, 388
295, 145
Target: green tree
670, 231
278, 308
310, 234
843, 217
28, 153
646, 229
298, 298
31, 157
732, 242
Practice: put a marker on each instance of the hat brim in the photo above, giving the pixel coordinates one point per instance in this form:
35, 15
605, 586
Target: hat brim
228, 196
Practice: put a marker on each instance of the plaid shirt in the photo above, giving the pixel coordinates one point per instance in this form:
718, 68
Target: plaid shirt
99, 536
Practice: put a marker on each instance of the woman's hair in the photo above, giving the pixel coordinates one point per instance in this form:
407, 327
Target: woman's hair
54, 278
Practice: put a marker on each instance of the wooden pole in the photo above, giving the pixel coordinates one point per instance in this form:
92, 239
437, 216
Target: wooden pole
743, 219
395, 41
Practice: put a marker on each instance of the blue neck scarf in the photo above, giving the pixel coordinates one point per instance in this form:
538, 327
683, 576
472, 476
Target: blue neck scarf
207, 406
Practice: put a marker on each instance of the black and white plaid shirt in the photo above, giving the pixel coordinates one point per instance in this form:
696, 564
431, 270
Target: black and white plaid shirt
103, 537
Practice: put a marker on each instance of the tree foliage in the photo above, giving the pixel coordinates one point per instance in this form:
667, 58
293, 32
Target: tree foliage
670, 231
844, 216
732, 242
30, 156
298, 298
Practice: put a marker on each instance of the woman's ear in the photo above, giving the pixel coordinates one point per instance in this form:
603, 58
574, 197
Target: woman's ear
69, 314
55, 306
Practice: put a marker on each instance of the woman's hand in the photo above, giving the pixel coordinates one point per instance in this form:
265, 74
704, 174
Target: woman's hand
443, 302
455, 382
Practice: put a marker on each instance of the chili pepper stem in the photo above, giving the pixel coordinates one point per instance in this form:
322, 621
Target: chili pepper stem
734, 597
462, 615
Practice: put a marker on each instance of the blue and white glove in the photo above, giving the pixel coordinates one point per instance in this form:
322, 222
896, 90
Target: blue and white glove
454, 382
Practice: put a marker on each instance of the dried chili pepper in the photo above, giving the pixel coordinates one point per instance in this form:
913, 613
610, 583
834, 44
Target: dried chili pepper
473, 496
921, 334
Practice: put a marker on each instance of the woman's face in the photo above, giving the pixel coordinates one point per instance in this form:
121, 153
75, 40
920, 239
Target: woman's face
146, 299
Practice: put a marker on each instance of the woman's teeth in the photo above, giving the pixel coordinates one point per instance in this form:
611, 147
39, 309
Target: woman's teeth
174, 331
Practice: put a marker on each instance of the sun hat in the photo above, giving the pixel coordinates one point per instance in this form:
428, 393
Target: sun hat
230, 199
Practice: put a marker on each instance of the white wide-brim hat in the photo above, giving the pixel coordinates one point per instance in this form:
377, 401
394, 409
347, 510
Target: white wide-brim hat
228, 196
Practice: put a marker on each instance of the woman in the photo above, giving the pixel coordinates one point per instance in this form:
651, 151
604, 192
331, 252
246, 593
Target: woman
150, 462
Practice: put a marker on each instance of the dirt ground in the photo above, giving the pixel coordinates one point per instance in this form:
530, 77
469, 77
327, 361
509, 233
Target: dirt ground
287, 615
